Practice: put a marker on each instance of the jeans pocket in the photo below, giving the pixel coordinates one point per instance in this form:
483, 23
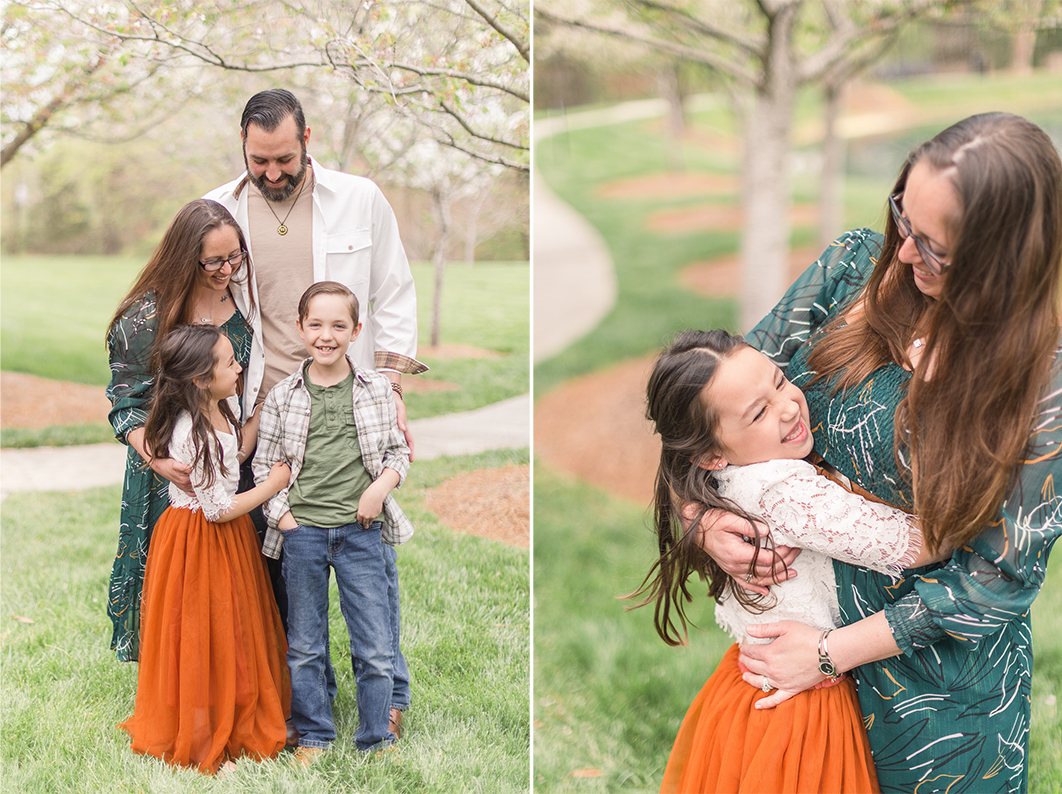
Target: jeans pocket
373, 525
292, 531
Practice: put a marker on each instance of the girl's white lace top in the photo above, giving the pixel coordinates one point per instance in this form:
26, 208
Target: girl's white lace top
218, 498
805, 509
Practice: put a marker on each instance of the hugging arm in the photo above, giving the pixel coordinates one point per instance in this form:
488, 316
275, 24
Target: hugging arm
834, 278
990, 581
129, 346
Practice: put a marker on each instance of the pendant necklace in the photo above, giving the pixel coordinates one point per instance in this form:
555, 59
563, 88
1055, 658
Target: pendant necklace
282, 229
210, 319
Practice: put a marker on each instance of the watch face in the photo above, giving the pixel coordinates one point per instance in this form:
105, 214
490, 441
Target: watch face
827, 669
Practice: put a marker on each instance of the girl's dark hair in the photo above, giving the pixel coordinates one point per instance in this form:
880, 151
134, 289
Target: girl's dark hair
187, 359
990, 337
173, 270
686, 491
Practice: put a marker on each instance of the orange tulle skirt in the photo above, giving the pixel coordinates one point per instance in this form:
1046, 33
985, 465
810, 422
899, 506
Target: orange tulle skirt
814, 742
213, 681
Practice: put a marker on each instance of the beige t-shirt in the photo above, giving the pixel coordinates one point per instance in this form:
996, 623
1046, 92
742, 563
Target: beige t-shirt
283, 268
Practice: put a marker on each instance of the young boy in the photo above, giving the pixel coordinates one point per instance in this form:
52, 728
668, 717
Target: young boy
335, 425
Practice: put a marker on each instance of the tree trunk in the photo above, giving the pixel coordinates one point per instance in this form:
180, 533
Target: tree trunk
765, 189
442, 210
472, 227
1021, 60
671, 87
831, 198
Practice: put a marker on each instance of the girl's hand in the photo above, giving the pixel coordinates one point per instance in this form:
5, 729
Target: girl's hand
724, 538
279, 476
371, 504
790, 662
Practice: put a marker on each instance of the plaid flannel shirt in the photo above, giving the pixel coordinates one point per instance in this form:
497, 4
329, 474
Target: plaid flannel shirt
282, 430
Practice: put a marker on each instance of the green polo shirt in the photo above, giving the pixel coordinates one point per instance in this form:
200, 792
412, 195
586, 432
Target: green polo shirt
333, 476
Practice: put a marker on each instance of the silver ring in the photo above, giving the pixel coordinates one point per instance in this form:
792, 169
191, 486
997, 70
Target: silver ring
765, 686
748, 578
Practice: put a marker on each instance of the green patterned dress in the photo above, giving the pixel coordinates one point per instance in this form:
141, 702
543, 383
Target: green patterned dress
144, 493
951, 714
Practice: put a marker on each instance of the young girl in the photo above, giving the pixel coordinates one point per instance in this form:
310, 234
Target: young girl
735, 434
213, 683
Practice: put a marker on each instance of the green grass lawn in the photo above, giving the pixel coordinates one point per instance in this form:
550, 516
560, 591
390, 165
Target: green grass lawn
58, 333
609, 695
465, 623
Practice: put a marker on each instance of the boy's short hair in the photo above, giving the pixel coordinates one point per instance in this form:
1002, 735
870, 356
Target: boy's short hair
328, 288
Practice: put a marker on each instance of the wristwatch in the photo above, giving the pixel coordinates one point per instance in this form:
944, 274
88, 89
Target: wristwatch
826, 665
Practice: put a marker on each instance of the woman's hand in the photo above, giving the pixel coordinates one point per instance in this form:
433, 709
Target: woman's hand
725, 538
790, 662
177, 473
167, 468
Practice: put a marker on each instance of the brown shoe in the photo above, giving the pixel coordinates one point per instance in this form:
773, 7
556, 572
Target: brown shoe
293, 736
307, 755
395, 724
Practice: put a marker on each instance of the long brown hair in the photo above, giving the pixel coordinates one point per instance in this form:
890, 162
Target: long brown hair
187, 360
173, 269
685, 490
967, 417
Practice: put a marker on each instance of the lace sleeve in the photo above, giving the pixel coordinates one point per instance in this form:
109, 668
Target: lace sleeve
217, 498
816, 513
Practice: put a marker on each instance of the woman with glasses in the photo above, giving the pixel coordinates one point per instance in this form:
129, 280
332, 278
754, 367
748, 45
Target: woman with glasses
187, 280
930, 360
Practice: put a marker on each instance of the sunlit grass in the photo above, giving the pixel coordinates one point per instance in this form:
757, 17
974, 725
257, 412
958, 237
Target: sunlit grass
465, 623
609, 695
58, 332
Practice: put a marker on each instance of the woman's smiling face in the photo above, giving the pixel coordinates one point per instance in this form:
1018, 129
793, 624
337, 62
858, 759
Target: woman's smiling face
220, 243
931, 206
761, 415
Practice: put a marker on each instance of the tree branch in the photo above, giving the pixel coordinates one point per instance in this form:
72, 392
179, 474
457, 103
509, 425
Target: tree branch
848, 38
481, 136
751, 46
494, 160
522, 47
706, 57
44, 115
471, 79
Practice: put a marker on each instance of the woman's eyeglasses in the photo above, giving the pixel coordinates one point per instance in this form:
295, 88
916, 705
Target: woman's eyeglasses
933, 262
235, 262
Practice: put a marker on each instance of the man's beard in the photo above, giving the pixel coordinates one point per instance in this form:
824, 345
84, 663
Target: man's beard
284, 191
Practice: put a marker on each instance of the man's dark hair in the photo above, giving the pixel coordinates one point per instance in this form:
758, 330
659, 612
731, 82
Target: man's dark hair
267, 109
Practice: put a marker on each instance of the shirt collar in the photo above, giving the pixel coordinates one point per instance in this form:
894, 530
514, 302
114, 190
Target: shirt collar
360, 376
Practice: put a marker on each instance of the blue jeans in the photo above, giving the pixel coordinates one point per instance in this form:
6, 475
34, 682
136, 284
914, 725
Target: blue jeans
400, 692
358, 558
400, 695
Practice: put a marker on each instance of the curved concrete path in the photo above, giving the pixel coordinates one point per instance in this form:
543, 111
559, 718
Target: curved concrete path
503, 425
574, 283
